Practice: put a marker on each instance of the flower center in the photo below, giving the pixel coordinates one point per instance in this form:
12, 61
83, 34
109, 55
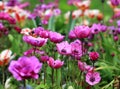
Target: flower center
92, 79
96, 30
63, 50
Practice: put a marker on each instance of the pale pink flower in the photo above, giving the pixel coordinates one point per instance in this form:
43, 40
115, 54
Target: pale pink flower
93, 78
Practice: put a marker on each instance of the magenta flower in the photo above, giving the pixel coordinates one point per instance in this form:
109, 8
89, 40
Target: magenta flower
34, 41
93, 78
84, 67
103, 28
55, 63
41, 32
7, 17
64, 48
76, 47
55, 37
25, 68
115, 2
32, 51
94, 56
95, 29
71, 35
82, 31
44, 58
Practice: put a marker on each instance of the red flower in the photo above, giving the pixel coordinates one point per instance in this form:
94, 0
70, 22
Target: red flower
93, 56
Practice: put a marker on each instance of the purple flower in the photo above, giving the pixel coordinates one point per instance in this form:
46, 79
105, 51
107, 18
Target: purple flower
41, 32
25, 68
64, 48
118, 23
44, 58
7, 17
34, 41
76, 49
115, 2
95, 29
103, 28
72, 34
55, 37
55, 63
56, 11
13, 2
93, 78
84, 67
82, 31
33, 50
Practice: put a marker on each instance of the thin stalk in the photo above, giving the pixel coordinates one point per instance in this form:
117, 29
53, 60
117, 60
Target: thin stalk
56, 75
44, 74
3, 76
24, 84
103, 9
52, 77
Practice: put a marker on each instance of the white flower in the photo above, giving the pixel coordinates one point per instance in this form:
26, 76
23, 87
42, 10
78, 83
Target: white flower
6, 56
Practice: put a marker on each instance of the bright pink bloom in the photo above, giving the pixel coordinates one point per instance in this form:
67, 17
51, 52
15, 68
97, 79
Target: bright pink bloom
93, 78
55, 37
82, 31
34, 41
25, 68
64, 48
115, 2
71, 35
76, 49
94, 56
41, 32
55, 63
95, 29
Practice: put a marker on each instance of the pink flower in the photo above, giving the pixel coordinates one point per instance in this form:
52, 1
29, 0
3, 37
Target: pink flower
115, 2
64, 48
94, 56
93, 78
82, 31
76, 47
44, 58
55, 37
95, 29
25, 68
55, 63
5, 57
32, 51
84, 67
41, 32
34, 41
72, 34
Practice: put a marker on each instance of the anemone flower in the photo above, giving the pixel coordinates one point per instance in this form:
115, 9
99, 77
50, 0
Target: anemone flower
93, 78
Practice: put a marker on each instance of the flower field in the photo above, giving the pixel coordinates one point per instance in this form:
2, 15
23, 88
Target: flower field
59, 44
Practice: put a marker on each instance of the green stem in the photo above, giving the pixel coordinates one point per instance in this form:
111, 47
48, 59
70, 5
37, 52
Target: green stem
3, 76
24, 84
52, 77
44, 74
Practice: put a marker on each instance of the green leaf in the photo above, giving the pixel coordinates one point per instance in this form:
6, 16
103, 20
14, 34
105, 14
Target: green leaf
51, 23
37, 22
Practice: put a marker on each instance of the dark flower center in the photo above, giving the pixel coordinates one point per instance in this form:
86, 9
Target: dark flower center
96, 30
92, 79
63, 50
75, 51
